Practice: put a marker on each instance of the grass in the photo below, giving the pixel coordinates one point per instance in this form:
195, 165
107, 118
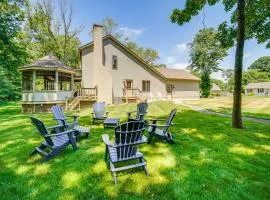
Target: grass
258, 107
209, 161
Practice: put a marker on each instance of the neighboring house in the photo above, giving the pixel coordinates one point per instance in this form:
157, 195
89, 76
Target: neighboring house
122, 76
258, 89
215, 90
108, 72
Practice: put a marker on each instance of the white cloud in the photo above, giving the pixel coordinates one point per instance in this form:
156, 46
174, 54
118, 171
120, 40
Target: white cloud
246, 55
130, 32
182, 47
179, 65
169, 60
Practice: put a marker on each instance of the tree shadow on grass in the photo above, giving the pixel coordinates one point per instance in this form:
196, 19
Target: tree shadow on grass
209, 160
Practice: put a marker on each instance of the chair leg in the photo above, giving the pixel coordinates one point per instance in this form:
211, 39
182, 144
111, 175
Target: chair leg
52, 154
144, 167
42, 147
73, 143
113, 173
150, 138
106, 154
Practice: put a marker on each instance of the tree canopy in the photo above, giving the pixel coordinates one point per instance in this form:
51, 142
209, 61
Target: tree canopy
48, 33
205, 56
262, 64
12, 48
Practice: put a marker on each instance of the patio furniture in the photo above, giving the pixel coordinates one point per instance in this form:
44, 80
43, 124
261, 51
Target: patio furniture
99, 113
159, 130
55, 143
140, 112
60, 117
111, 122
127, 137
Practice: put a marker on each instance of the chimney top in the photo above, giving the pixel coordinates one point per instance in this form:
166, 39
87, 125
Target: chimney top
97, 25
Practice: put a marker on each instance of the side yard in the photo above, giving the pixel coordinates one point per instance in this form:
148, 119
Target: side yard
251, 106
209, 161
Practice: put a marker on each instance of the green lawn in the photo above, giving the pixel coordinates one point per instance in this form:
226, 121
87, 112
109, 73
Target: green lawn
251, 106
209, 161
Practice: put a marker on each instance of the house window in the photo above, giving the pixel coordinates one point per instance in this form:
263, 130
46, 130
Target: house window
260, 90
129, 84
146, 86
169, 88
114, 62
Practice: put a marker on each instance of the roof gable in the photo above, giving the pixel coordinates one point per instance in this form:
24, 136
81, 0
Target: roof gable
180, 74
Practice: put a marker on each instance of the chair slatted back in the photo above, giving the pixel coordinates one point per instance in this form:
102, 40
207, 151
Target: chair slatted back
141, 109
99, 109
126, 137
169, 119
58, 113
41, 129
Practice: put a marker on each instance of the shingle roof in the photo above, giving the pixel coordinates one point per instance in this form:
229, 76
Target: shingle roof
215, 87
48, 61
258, 85
177, 74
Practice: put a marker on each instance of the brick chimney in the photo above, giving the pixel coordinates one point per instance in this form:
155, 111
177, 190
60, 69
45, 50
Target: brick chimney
98, 45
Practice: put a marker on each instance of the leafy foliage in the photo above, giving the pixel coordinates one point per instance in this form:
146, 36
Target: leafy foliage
206, 54
219, 83
48, 33
262, 64
205, 84
12, 48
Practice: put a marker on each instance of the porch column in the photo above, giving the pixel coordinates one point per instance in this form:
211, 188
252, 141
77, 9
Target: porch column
56, 80
34, 81
72, 82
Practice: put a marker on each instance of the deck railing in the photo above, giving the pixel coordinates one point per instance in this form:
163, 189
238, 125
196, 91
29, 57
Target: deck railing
132, 93
86, 93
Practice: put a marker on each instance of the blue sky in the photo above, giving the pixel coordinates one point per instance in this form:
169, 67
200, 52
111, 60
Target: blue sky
147, 22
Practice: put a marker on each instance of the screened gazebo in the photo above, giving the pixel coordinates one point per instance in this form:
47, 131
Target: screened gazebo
46, 82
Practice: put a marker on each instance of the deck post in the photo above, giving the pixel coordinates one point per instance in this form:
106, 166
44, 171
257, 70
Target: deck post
72, 82
56, 81
34, 81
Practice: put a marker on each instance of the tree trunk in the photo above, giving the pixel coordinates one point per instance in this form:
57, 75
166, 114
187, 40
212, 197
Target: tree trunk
237, 115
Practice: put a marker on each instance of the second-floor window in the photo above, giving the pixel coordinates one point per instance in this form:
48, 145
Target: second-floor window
146, 86
114, 62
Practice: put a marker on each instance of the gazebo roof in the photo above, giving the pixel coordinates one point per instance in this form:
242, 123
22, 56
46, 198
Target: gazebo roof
48, 62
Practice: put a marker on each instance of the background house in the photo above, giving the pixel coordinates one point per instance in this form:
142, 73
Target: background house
258, 89
215, 90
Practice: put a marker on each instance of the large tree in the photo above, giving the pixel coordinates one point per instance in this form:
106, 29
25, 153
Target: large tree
52, 33
12, 48
206, 54
262, 64
249, 19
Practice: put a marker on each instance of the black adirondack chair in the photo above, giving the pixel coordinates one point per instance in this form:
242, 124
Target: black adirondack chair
55, 143
99, 112
140, 112
61, 119
127, 137
159, 130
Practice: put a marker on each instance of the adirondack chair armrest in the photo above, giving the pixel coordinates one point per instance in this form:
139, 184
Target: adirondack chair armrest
69, 133
106, 140
156, 120
158, 125
54, 127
